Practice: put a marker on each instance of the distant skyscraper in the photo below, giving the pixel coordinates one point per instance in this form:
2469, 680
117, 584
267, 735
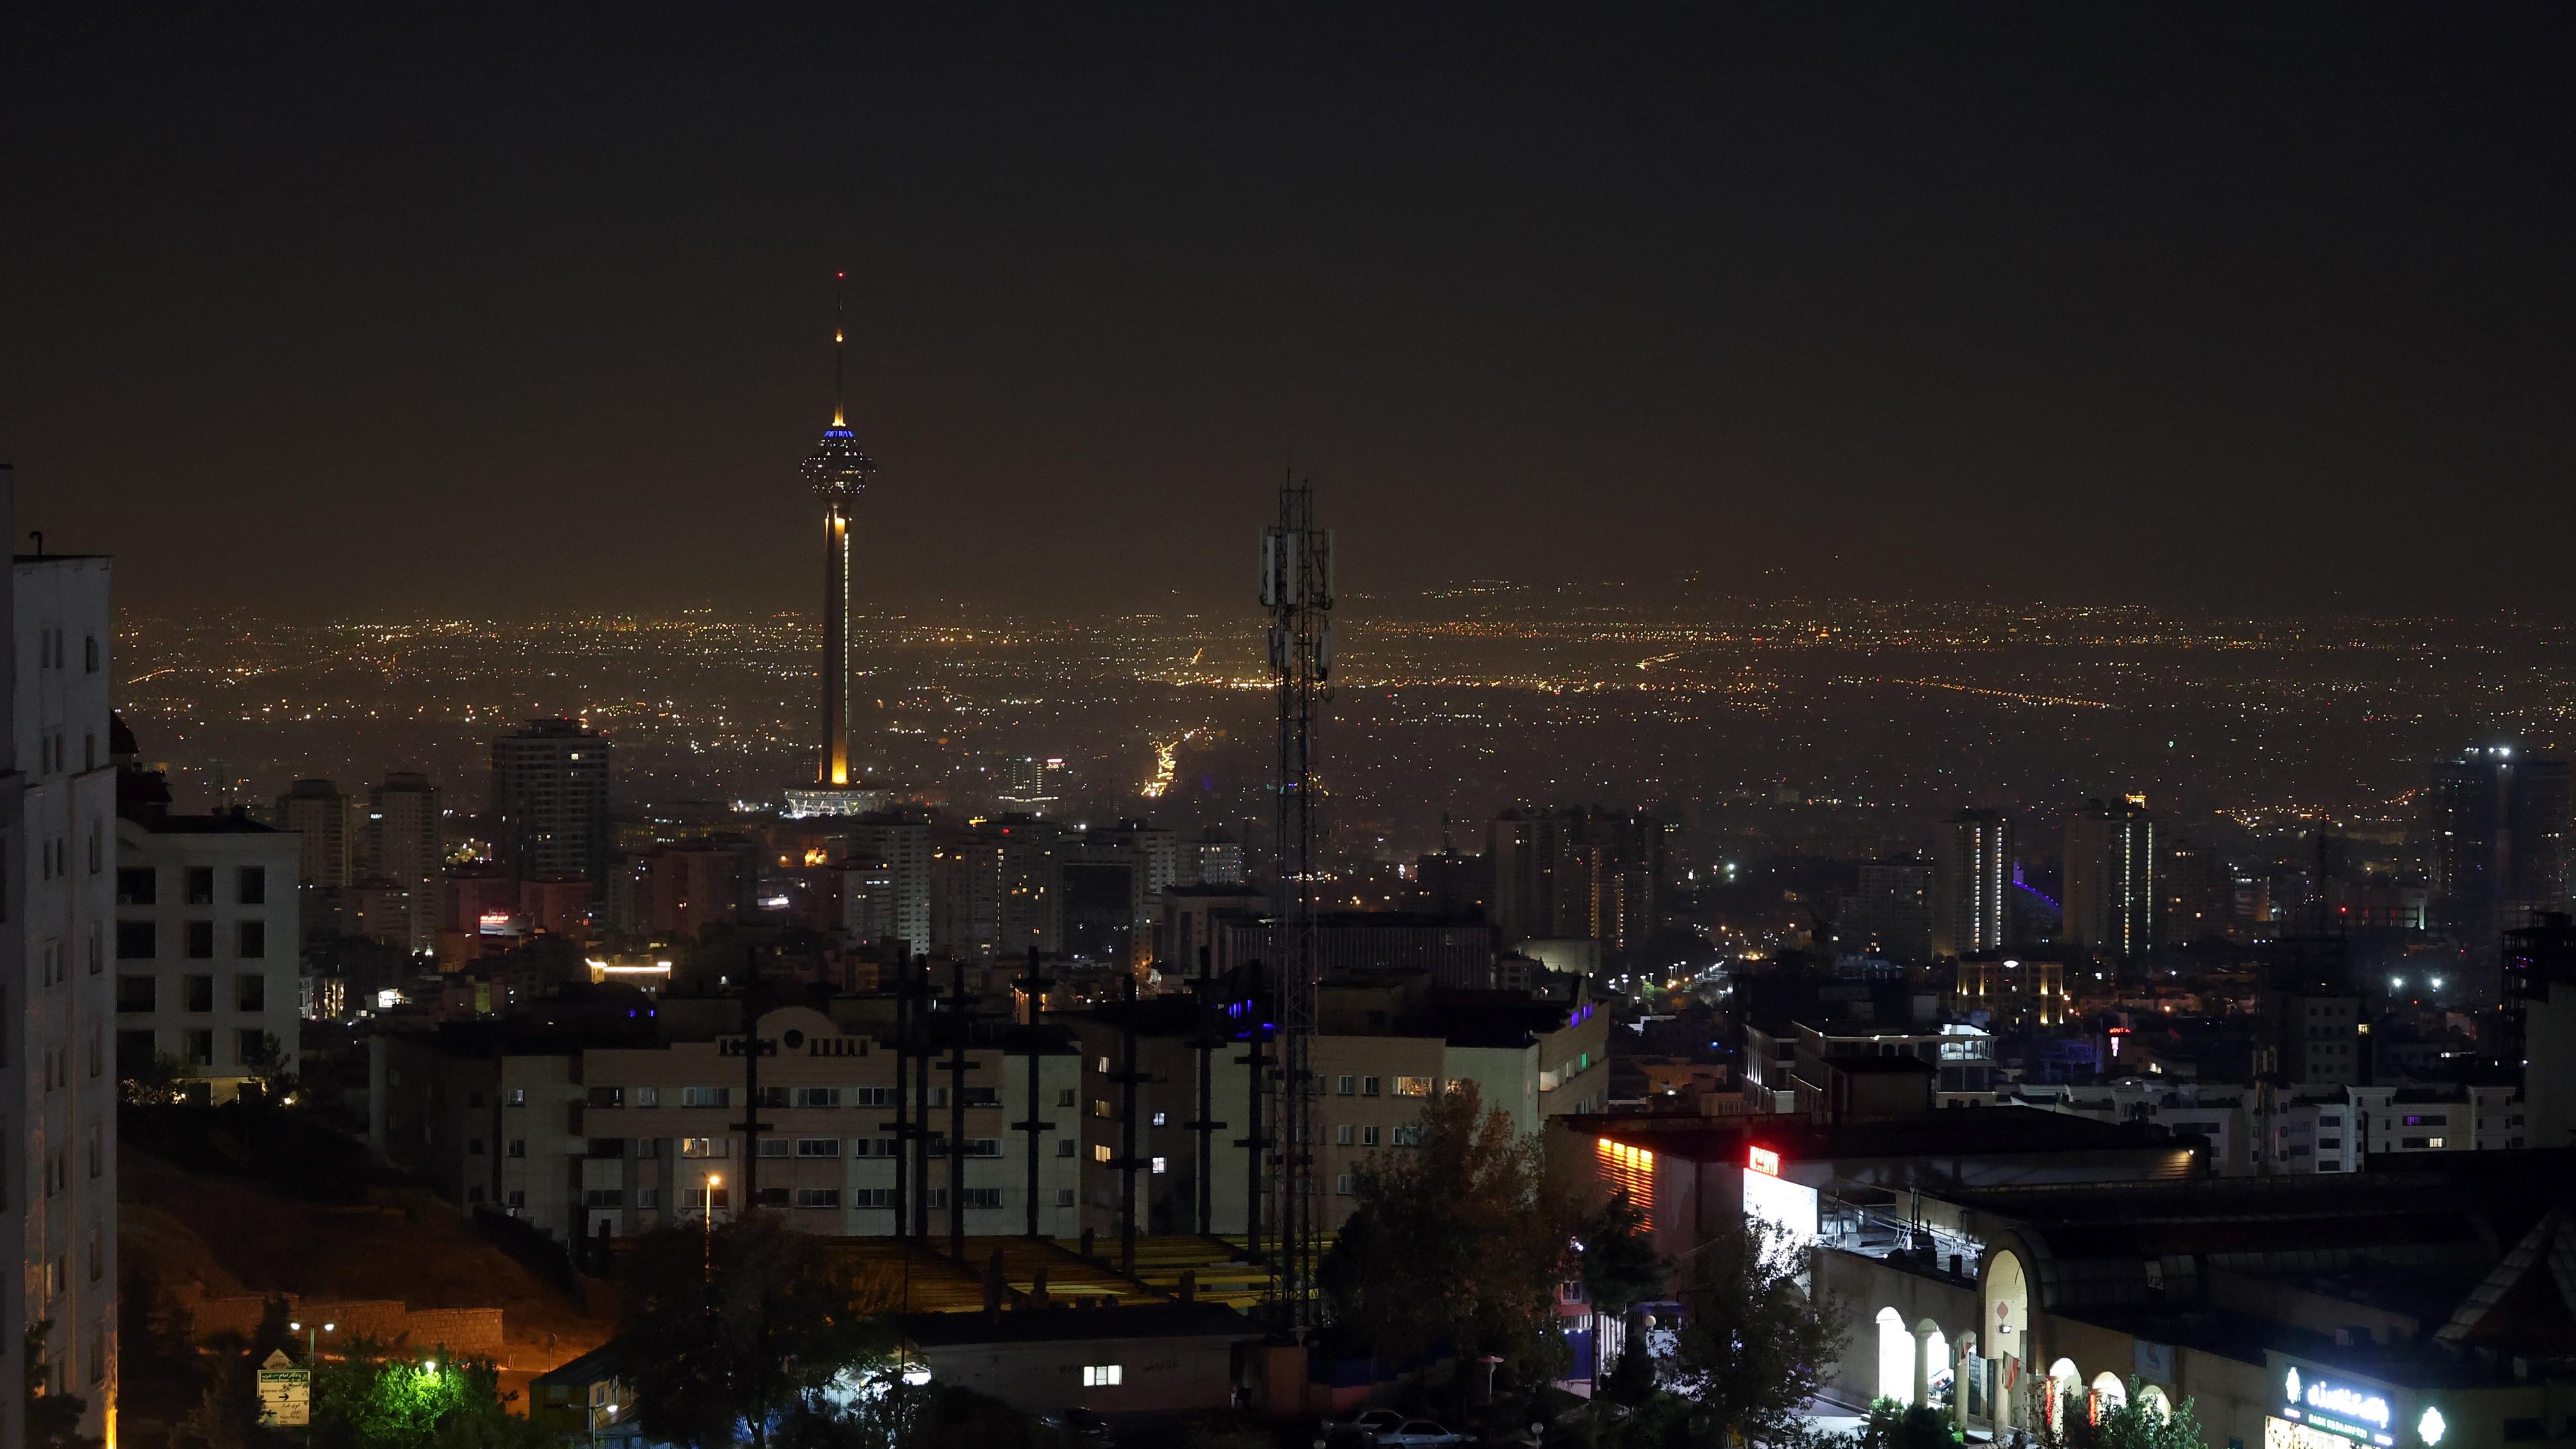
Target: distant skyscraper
316, 811
1577, 874
58, 1095
1032, 783
2111, 878
839, 472
407, 844
1215, 858
1972, 872
899, 841
1890, 914
550, 800
2498, 821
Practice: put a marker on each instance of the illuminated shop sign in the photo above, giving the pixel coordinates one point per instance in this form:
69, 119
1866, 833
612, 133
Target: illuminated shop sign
2358, 1414
1763, 1160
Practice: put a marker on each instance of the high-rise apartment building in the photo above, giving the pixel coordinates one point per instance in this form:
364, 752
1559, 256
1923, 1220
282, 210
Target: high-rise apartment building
1577, 874
318, 815
58, 1107
406, 843
898, 841
2497, 819
997, 892
1972, 874
1889, 915
1032, 783
550, 800
1215, 858
2111, 878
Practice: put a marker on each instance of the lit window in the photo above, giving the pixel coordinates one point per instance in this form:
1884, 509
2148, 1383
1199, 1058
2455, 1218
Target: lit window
1158, 1164
1413, 1086
1100, 1152
1100, 1376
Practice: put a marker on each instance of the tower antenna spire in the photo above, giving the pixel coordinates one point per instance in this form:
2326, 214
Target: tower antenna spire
840, 334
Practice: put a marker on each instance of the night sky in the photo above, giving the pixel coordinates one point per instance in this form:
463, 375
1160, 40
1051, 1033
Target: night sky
373, 309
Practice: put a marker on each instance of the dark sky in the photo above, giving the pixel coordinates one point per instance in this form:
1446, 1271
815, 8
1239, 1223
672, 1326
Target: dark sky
368, 308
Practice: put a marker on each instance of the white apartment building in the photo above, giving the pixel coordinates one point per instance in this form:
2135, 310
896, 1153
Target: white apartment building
60, 1182
206, 970
613, 1140
2263, 1130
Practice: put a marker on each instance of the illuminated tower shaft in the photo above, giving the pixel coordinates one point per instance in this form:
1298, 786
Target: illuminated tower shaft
833, 766
839, 473
1297, 589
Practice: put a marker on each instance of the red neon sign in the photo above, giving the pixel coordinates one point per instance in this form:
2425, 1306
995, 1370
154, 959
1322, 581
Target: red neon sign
1763, 1160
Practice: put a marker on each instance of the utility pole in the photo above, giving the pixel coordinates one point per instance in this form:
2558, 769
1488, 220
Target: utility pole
1035, 984
956, 1064
1128, 1161
752, 1126
921, 1098
902, 1125
1207, 1040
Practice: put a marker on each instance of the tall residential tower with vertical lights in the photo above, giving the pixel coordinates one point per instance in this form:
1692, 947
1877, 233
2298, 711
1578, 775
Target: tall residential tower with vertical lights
839, 472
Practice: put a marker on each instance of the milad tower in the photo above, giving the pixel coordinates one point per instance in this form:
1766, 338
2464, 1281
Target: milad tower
839, 473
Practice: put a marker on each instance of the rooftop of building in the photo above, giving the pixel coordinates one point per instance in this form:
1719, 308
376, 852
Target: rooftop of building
229, 822
1953, 1132
1069, 1324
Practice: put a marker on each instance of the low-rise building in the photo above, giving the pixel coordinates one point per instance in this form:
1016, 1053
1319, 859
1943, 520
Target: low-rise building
592, 1133
206, 969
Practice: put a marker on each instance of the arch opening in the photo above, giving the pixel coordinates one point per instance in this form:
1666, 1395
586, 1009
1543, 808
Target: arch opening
1895, 1357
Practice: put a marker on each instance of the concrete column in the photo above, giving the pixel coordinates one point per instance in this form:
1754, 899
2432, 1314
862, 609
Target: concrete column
1922, 1376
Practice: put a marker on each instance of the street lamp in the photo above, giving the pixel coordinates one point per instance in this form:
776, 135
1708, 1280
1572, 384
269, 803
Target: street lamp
312, 1364
312, 1340
714, 1181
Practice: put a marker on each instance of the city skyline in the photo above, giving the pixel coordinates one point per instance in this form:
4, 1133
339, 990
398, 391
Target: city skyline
2090, 306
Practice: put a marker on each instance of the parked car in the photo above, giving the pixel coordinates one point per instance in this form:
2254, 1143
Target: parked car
1076, 1429
1362, 1427
1418, 1434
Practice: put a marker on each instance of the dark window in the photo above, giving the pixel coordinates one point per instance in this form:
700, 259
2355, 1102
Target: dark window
250, 992
983, 1197
251, 1045
201, 885
134, 1053
138, 993
254, 885
607, 1097
201, 1048
518, 1147
201, 993
774, 1197
201, 940
603, 1197
137, 941
134, 886
253, 939
473, 1146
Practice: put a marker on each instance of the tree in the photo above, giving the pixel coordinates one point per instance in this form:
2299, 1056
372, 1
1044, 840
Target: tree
371, 1399
1753, 1346
2084, 1422
53, 1419
745, 1330
1621, 1269
1458, 1238
1891, 1425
